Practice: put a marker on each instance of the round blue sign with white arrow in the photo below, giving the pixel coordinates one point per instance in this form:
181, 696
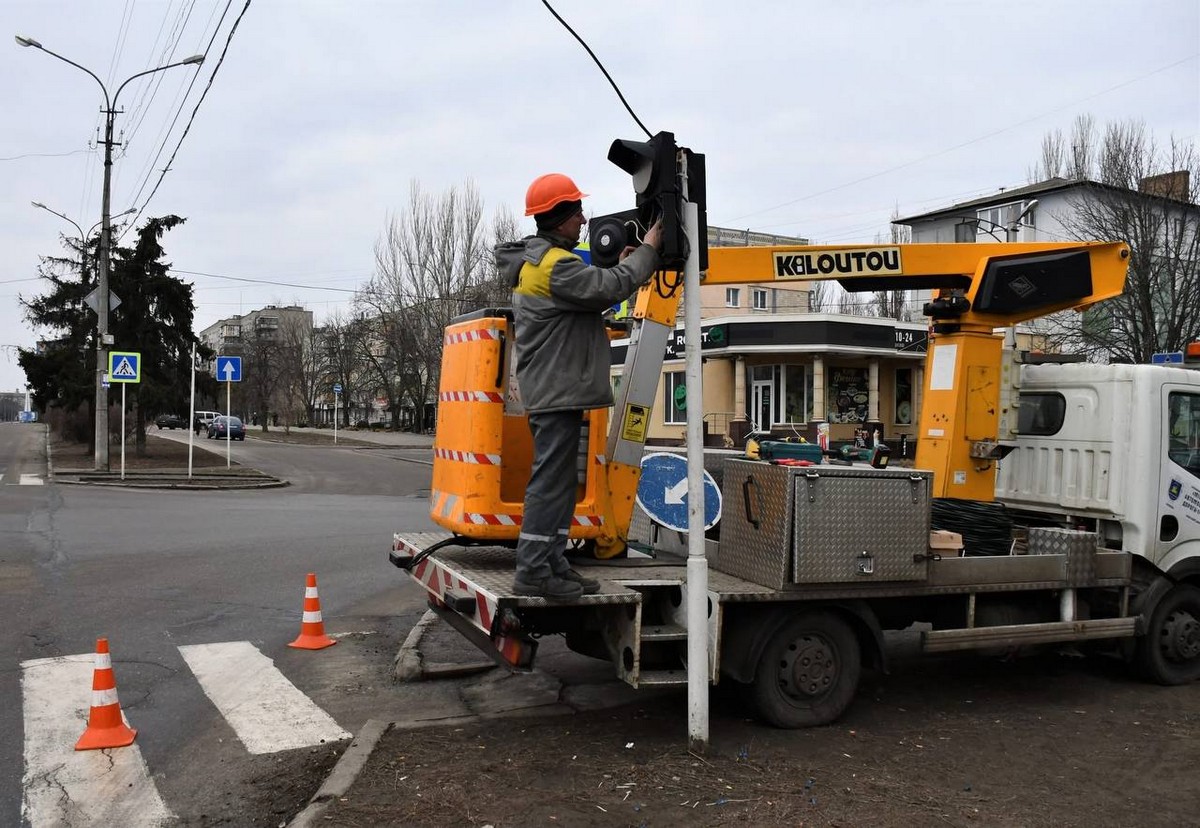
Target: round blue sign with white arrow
663, 492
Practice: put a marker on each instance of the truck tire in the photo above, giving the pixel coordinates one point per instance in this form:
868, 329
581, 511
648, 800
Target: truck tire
808, 671
1169, 652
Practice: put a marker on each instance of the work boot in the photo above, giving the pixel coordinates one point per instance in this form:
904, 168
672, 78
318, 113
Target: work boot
551, 587
590, 586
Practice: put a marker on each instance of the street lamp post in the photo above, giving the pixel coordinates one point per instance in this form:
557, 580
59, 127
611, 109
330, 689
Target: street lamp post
83, 237
103, 338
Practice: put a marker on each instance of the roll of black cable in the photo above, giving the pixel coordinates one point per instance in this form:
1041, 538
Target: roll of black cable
986, 528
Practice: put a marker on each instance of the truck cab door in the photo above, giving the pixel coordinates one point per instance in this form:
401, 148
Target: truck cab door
1178, 527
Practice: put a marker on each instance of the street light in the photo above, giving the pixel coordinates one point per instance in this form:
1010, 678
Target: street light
83, 237
103, 338
1010, 230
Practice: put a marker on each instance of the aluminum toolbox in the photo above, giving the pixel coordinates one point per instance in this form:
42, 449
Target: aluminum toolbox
786, 525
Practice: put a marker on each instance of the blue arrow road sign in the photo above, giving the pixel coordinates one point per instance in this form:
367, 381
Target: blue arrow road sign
229, 368
662, 492
1169, 358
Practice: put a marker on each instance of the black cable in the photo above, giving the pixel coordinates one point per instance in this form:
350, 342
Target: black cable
601, 65
986, 528
186, 129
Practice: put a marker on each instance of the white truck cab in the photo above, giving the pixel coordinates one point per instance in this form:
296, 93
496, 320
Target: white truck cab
1116, 447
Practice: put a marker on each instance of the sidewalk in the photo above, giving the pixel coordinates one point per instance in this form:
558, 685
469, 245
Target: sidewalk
389, 439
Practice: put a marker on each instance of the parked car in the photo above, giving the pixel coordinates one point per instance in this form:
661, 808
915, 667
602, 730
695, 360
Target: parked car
171, 421
237, 429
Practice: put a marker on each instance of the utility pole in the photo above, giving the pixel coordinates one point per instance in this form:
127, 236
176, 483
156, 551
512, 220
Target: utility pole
103, 337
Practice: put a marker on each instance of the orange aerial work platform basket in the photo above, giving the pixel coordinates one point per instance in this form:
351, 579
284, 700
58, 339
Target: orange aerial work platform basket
483, 448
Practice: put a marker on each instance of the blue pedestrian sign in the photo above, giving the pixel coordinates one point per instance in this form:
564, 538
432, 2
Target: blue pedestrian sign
229, 368
124, 366
337, 388
1169, 358
663, 492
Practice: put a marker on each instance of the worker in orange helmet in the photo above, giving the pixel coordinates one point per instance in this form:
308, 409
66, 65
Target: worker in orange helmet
563, 366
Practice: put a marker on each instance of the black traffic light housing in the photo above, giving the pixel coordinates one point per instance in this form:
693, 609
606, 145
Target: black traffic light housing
654, 166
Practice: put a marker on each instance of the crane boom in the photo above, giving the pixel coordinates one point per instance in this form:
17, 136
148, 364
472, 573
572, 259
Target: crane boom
483, 450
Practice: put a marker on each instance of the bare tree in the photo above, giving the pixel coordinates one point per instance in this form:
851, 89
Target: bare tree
1147, 196
432, 263
893, 304
303, 370
820, 297
341, 338
263, 376
1060, 159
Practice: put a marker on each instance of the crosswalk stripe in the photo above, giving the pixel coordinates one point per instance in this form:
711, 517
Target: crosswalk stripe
267, 711
63, 786
32, 480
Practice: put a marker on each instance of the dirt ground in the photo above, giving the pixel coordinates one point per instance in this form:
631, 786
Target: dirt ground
160, 454
1051, 740
169, 454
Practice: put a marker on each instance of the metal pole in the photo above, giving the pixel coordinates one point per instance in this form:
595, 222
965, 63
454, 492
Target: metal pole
110, 111
336, 399
228, 429
192, 413
123, 429
102, 300
697, 563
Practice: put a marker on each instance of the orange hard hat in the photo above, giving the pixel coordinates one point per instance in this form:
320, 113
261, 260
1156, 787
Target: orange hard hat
548, 190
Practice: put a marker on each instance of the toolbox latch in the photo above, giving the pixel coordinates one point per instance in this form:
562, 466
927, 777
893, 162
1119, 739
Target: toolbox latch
812, 478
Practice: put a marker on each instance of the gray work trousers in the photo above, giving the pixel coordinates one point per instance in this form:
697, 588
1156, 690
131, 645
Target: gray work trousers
550, 496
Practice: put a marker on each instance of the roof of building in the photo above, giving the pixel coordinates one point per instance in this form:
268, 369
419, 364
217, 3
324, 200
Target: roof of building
1001, 197
1048, 186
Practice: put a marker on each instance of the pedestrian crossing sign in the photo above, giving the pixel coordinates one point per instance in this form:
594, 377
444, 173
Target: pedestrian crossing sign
124, 366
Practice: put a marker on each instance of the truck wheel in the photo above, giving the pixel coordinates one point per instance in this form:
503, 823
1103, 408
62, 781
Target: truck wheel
1169, 653
808, 671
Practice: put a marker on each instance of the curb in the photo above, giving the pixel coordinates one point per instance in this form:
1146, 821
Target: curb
344, 773
49, 457
179, 486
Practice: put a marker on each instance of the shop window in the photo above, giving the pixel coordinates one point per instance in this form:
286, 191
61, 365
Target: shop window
904, 396
797, 381
847, 395
676, 403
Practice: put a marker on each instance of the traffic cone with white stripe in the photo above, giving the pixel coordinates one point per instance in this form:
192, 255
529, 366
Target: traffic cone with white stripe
106, 728
312, 627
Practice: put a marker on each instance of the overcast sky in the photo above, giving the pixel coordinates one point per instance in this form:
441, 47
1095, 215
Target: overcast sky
817, 119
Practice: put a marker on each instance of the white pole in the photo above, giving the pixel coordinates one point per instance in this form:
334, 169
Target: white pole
228, 385
337, 398
123, 429
191, 427
697, 563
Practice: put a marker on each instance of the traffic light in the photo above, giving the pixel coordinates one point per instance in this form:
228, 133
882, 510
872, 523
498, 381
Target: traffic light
654, 166
609, 235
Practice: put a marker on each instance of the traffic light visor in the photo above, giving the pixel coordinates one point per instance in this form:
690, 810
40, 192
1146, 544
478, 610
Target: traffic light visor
635, 158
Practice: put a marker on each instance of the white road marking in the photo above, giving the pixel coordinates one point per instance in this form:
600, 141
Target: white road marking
65, 787
32, 480
268, 712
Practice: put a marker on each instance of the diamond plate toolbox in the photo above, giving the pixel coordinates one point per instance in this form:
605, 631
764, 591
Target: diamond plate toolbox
824, 524
756, 526
857, 523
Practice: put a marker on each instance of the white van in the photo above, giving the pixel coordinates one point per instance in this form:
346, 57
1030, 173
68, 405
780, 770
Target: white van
204, 420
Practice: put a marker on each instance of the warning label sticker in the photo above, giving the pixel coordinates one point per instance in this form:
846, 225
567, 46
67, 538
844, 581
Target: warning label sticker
633, 427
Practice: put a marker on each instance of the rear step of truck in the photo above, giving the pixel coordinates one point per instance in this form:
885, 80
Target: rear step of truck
471, 588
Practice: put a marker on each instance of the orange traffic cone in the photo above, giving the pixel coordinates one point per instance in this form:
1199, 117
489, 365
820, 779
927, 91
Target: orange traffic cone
105, 728
312, 628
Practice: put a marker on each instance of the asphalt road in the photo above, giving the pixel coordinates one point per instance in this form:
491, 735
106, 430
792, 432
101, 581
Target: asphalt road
157, 570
